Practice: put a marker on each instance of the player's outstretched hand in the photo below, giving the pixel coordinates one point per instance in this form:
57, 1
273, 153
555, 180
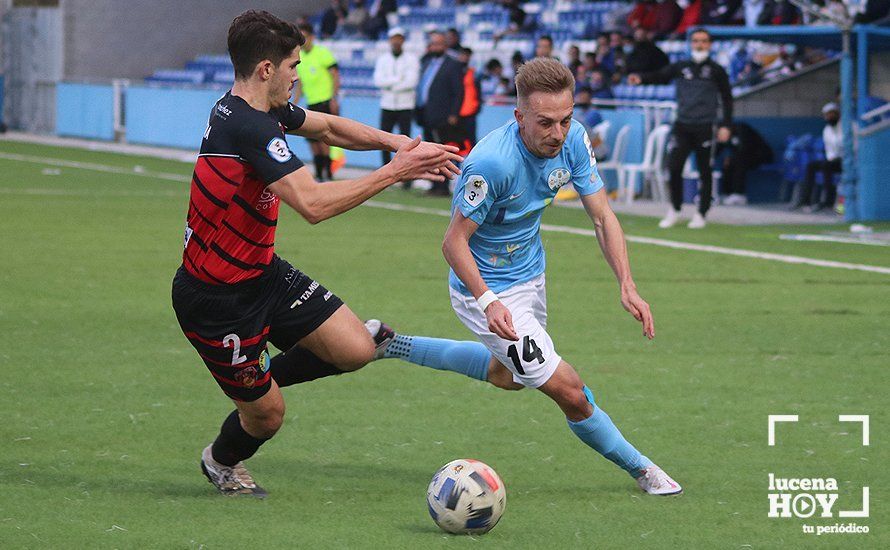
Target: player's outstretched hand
500, 321
423, 160
638, 307
449, 168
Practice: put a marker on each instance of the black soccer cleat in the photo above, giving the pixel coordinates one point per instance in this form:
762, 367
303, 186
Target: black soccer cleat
382, 334
230, 480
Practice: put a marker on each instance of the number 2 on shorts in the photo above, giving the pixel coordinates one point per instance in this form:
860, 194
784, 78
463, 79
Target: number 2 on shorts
235, 342
530, 350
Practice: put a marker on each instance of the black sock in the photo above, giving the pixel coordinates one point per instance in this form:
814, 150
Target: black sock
298, 365
318, 161
326, 160
234, 444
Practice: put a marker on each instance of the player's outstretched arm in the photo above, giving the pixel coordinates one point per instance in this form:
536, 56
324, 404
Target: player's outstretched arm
611, 240
456, 249
317, 202
349, 134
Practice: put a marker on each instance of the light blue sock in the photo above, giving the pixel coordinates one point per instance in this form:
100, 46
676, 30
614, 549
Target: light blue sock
600, 434
467, 358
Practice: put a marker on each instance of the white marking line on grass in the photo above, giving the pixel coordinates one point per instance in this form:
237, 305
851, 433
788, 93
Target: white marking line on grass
835, 239
664, 242
439, 212
93, 166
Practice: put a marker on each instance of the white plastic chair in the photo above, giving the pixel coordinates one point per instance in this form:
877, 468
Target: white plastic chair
616, 159
649, 168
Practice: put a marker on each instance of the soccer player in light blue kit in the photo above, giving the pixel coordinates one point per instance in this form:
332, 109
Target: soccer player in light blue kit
497, 285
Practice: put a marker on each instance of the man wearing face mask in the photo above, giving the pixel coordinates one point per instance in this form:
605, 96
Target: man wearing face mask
833, 137
702, 84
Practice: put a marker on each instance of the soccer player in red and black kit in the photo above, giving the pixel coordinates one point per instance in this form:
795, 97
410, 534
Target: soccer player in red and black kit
232, 294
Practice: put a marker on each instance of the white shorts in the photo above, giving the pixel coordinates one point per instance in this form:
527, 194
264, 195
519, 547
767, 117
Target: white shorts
532, 359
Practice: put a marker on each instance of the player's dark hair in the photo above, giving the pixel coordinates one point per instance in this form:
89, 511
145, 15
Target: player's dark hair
701, 29
546, 37
258, 35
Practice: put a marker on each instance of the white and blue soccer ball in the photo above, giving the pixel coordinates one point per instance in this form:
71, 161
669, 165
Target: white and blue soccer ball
466, 497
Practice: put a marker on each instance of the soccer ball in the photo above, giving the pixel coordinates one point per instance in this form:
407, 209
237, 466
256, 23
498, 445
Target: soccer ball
466, 497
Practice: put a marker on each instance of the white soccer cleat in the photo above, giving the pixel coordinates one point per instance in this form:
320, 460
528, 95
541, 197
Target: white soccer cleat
655, 482
382, 335
670, 220
229, 480
698, 221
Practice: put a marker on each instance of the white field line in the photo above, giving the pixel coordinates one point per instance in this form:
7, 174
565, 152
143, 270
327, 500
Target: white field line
678, 245
835, 239
665, 243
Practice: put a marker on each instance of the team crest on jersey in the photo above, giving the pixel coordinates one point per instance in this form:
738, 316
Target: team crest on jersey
246, 377
278, 150
687, 73
558, 177
475, 190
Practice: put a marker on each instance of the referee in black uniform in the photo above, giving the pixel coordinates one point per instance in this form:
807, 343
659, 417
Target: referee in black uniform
701, 85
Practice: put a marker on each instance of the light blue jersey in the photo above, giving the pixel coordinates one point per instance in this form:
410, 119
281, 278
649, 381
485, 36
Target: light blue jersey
504, 188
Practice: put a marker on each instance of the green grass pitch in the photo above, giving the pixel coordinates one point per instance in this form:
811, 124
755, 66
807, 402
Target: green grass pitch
105, 407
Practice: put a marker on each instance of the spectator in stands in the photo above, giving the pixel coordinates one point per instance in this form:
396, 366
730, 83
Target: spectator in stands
646, 57
333, 17
745, 151
574, 60
544, 46
719, 12
690, 18
589, 116
667, 17
642, 16
779, 12
377, 22
833, 137
492, 81
598, 82
452, 43
517, 19
701, 85
471, 105
356, 18
605, 54
396, 73
439, 97
319, 82
516, 60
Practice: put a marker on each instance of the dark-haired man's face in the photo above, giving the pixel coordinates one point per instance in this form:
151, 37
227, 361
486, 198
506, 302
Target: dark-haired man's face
281, 84
701, 41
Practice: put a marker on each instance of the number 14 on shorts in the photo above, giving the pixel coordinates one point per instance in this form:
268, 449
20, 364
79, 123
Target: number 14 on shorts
530, 352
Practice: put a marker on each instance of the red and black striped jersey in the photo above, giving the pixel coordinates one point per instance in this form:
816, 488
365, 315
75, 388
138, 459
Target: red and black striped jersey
230, 229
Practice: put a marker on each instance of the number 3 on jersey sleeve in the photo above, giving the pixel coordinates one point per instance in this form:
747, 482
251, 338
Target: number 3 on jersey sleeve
475, 190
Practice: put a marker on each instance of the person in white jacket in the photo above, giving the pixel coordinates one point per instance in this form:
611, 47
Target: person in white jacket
396, 74
834, 144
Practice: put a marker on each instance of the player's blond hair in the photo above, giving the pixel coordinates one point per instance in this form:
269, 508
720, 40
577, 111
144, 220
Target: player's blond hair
543, 74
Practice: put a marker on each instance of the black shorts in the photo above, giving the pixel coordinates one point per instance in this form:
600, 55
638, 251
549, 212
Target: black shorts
323, 107
230, 325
